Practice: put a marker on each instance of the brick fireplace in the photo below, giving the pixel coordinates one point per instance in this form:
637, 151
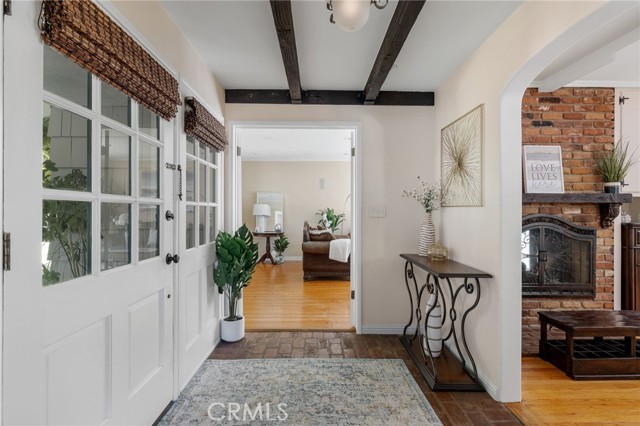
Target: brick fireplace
581, 122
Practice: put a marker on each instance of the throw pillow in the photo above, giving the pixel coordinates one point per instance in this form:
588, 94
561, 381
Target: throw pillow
321, 235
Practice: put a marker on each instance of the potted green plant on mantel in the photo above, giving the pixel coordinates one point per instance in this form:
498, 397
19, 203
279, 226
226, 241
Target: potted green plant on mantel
614, 165
236, 261
280, 245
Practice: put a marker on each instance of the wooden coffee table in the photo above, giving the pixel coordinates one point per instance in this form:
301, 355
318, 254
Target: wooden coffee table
597, 344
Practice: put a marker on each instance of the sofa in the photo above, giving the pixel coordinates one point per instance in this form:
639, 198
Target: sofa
316, 262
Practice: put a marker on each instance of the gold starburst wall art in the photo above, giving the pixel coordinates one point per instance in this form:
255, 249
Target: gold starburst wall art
461, 161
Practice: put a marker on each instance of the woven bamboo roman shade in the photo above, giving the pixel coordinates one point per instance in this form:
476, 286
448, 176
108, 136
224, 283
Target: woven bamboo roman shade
199, 123
80, 30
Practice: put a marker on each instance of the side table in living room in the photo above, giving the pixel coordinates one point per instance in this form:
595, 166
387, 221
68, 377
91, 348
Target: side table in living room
268, 236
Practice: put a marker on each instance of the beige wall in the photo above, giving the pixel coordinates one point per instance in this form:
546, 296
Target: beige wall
488, 237
156, 27
397, 144
299, 183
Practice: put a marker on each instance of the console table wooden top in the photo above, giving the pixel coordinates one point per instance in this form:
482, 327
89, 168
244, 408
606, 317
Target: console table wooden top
445, 268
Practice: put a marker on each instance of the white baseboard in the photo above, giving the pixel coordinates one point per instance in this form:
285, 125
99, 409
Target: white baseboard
293, 258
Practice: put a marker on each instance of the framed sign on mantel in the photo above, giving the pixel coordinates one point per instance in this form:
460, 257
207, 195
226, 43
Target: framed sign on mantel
543, 169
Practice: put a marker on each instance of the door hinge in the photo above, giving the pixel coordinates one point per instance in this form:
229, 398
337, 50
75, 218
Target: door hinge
621, 100
6, 251
239, 151
6, 7
353, 151
353, 295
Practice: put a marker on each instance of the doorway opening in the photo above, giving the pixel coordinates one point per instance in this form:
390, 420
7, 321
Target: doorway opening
298, 184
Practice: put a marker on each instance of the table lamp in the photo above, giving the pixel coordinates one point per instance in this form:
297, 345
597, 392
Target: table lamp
261, 212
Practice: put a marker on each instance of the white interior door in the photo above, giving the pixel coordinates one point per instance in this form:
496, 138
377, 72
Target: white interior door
199, 221
627, 111
88, 305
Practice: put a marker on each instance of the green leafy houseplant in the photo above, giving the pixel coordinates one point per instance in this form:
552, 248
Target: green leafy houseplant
329, 219
281, 244
614, 165
237, 256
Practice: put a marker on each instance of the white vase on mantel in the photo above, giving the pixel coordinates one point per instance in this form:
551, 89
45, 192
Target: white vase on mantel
427, 235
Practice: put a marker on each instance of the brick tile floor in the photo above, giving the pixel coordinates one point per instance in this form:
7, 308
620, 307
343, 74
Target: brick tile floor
453, 408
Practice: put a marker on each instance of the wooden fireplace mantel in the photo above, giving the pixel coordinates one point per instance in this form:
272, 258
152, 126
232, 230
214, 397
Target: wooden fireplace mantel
609, 203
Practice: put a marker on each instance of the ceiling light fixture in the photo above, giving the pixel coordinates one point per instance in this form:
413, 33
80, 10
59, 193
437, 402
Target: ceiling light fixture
351, 15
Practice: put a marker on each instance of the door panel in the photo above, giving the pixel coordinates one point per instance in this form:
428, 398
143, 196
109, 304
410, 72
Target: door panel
199, 220
88, 319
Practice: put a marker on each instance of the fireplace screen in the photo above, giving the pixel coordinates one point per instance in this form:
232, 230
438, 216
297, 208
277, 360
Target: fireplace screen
558, 258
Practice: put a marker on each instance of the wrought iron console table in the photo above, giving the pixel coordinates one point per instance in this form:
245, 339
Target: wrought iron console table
453, 370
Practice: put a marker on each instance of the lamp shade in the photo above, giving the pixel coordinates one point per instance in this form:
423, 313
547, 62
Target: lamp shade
351, 15
261, 210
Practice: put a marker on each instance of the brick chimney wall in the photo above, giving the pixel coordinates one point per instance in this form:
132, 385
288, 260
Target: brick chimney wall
580, 120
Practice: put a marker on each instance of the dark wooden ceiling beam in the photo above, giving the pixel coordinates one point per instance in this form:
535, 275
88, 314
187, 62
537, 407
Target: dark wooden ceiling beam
404, 17
327, 97
283, 20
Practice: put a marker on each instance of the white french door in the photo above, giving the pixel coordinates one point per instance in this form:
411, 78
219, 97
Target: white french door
199, 305
88, 306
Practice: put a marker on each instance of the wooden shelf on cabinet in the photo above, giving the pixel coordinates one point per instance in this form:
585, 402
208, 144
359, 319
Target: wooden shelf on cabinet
609, 202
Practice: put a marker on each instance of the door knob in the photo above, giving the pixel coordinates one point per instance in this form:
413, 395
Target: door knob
169, 215
172, 258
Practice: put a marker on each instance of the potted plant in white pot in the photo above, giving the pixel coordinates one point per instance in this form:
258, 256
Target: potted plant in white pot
236, 260
614, 165
280, 245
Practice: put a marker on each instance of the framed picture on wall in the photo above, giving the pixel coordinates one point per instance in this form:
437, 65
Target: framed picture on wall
542, 169
461, 160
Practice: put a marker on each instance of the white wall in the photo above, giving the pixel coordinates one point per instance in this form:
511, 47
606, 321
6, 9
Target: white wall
397, 145
489, 237
299, 183
152, 23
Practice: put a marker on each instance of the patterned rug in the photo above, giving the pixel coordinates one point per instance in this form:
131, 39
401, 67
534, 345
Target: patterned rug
302, 392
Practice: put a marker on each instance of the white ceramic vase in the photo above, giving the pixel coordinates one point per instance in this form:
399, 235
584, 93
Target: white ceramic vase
427, 235
232, 331
433, 336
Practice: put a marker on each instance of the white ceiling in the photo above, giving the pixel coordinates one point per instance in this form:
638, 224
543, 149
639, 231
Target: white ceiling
238, 41
298, 144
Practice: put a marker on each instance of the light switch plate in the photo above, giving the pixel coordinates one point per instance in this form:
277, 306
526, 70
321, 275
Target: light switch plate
377, 211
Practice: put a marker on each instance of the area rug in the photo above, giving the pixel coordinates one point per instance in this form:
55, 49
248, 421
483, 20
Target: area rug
302, 392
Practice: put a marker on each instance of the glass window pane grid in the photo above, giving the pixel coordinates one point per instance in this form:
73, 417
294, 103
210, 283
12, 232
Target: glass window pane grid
114, 104
92, 112
67, 138
149, 224
66, 251
66, 78
116, 170
115, 234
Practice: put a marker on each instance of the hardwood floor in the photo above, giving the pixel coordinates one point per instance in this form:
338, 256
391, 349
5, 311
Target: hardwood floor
551, 398
279, 299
